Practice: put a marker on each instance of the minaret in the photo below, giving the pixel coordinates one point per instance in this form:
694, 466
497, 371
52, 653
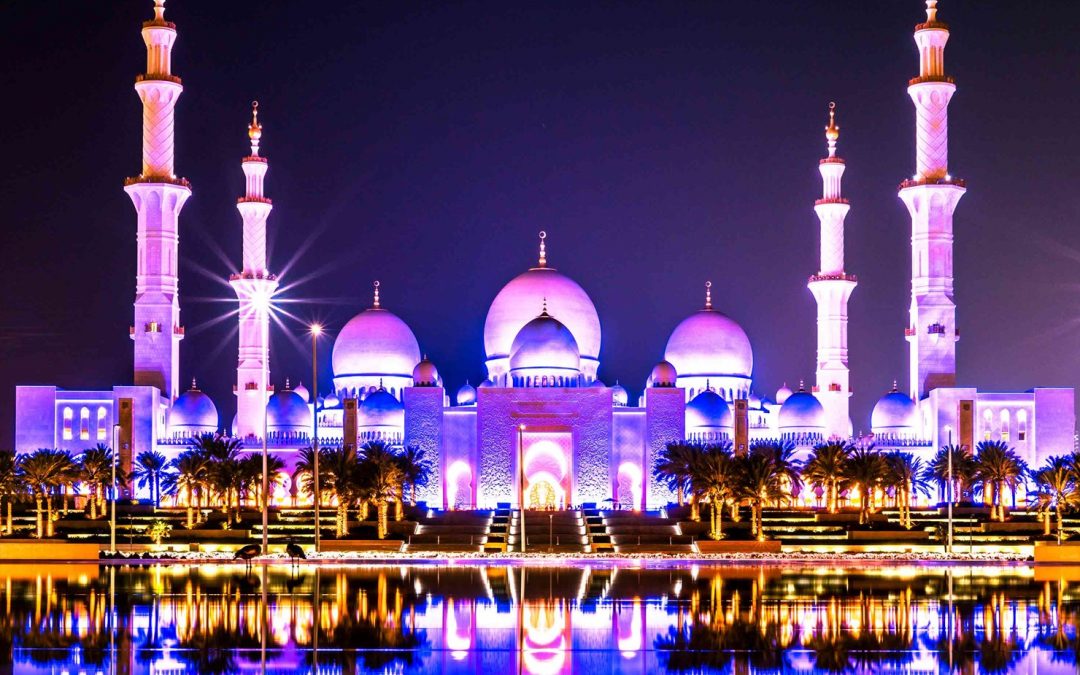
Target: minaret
158, 195
255, 287
931, 196
832, 288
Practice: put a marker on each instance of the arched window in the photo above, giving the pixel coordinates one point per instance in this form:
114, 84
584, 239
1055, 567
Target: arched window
1005, 425
84, 424
68, 415
102, 426
1021, 425
988, 421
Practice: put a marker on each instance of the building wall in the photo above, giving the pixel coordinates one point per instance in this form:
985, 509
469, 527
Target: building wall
1054, 424
459, 457
423, 428
628, 457
665, 409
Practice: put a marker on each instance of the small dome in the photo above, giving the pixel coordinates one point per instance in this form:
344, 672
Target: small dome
708, 411
381, 410
894, 413
754, 401
619, 396
709, 343
193, 413
663, 375
597, 384
782, 394
303, 392
331, 400
425, 374
374, 344
542, 346
287, 412
466, 395
486, 384
802, 413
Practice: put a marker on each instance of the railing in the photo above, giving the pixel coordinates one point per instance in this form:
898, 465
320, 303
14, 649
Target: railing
255, 158
834, 277
931, 25
831, 200
171, 180
258, 200
915, 182
831, 160
157, 77
158, 23
253, 275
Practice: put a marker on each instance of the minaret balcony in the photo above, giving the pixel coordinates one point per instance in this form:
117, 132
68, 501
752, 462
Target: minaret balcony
919, 181
843, 276
923, 79
253, 275
158, 77
831, 200
257, 200
255, 158
178, 330
159, 23
931, 25
909, 332
171, 180
830, 160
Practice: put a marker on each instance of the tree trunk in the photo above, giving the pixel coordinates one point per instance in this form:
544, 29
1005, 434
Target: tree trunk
734, 511
714, 529
49, 527
695, 508
342, 518
39, 524
412, 487
190, 516
1060, 524
1045, 517
758, 521
364, 509
679, 495
93, 503
399, 507
384, 517
7, 526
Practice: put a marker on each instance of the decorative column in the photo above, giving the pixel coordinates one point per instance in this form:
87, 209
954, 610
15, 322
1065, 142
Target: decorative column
931, 196
158, 195
255, 287
832, 288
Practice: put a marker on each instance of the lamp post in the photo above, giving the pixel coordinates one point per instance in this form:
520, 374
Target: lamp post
949, 506
521, 482
265, 459
112, 514
316, 331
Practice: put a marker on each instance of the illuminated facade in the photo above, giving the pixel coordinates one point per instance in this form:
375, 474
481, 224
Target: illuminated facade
579, 439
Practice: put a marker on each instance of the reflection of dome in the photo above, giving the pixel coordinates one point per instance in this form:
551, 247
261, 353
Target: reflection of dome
515, 305
802, 413
708, 343
544, 347
708, 412
303, 392
380, 411
619, 396
425, 374
287, 412
894, 413
375, 344
466, 395
193, 413
663, 375
782, 394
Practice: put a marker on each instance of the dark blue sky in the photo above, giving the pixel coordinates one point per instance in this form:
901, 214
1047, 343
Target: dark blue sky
660, 144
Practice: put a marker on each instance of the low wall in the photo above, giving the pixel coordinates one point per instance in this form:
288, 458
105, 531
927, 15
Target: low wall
1050, 552
391, 545
726, 546
888, 535
48, 549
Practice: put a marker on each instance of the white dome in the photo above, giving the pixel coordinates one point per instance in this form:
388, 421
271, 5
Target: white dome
894, 413
425, 374
802, 413
375, 344
302, 391
193, 413
517, 302
331, 401
544, 346
707, 412
286, 412
709, 343
619, 396
782, 394
381, 411
663, 375
466, 395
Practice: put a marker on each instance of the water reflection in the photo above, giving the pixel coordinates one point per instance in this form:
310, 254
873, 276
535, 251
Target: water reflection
544, 621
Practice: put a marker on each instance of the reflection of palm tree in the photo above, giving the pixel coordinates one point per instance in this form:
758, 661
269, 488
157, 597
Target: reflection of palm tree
692, 648
213, 651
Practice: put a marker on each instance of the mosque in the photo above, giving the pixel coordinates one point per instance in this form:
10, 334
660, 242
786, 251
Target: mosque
542, 413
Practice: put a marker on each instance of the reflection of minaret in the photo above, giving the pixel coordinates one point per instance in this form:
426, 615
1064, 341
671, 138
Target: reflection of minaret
158, 196
254, 287
931, 197
832, 288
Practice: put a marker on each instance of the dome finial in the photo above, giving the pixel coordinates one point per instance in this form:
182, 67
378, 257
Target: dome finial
159, 11
254, 129
376, 285
894, 387
287, 386
194, 387
543, 249
802, 385
931, 11
832, 132
708, 295
543, 308
381, 387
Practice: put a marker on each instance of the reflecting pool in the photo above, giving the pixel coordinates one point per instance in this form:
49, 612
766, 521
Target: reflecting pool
575, 618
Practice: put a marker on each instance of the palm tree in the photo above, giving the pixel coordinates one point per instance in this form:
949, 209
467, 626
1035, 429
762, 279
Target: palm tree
380, 472
95, 465
866, 469
905, 474
415, 470
672, 468
223, 464
70, 475
188, 476
827, 469
10, 487
1059, 489
998, 467
42, 471
963, 471
338, 467
251, 476
759, 481
149, 469
783, 456
713, 477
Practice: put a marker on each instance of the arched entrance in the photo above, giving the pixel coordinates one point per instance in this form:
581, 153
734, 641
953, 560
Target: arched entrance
547, 469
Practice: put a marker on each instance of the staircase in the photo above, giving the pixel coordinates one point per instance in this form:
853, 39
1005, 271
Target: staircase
549, 532
645, 532
451, 531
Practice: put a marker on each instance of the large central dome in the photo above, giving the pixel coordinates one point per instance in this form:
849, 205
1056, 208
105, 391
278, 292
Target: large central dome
373, 349
709, 343
517, 304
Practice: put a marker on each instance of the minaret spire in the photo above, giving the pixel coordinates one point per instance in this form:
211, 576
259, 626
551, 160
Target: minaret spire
158, 196
543, 250
832, 288
931, 196
708, 295
255, 286
376, 287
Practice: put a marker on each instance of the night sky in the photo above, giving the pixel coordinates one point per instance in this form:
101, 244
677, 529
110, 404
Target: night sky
660, 144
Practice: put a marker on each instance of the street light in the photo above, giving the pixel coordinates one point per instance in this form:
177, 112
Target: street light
261, 302
521, 482
949, 453
112, 516
316, 331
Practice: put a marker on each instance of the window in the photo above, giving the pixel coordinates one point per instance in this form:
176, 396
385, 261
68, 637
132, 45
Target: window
987, 422
1021, 425
102, 427
84, 424
68, 415
1005, 425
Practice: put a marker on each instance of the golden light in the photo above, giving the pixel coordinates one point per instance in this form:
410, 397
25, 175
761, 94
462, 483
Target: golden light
316, 329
